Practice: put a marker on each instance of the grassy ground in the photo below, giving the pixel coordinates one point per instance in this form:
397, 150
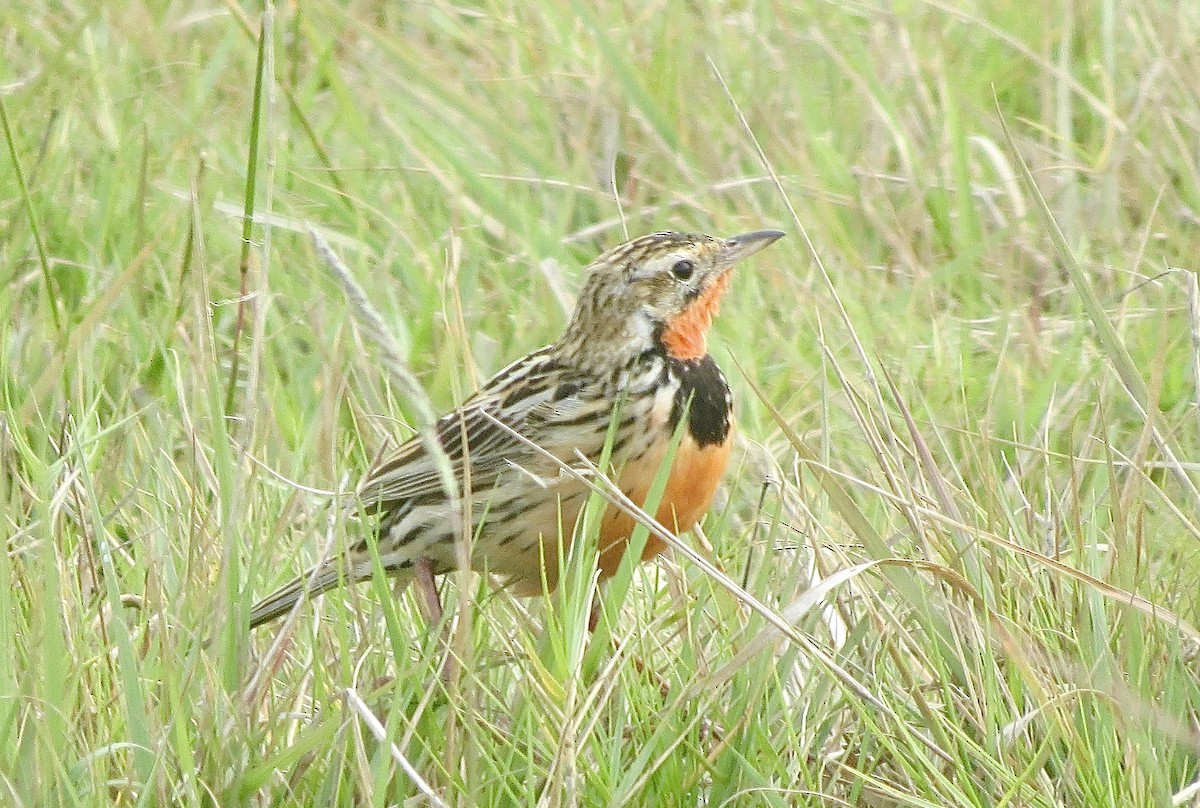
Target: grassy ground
968, 481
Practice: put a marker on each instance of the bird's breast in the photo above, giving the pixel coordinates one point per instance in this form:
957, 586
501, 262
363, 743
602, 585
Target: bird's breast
694, 390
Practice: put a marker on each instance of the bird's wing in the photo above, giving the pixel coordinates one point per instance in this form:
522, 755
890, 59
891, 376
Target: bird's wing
532, 397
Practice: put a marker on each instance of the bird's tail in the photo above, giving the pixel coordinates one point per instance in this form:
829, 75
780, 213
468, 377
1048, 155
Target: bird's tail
348, 569
312, 583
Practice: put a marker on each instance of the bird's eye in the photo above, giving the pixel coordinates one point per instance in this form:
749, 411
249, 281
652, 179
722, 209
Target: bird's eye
684, 269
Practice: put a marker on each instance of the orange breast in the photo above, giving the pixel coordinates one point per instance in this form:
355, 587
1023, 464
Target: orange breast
695, 475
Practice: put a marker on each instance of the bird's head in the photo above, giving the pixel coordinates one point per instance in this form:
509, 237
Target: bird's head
658, 291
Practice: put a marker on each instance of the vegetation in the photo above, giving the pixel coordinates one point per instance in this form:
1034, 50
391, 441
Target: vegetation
966, 385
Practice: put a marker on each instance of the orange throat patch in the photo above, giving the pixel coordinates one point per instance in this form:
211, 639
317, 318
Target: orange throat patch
684, 337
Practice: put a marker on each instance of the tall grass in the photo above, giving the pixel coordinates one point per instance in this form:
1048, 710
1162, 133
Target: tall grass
965, 489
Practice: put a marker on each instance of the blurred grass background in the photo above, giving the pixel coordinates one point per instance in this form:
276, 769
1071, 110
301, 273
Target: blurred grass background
969, 480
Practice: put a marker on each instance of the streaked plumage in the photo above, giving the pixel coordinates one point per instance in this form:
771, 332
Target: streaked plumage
634, 347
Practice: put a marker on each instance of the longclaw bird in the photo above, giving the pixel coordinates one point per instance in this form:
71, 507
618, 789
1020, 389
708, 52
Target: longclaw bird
634, 354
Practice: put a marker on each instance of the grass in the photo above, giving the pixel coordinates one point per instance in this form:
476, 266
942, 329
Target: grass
966, 384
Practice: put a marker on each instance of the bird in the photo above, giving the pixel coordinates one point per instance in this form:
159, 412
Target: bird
633, 361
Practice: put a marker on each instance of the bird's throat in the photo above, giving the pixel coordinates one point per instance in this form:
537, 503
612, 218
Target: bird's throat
684, 338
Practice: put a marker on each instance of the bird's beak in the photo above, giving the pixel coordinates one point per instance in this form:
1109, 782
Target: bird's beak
748, 244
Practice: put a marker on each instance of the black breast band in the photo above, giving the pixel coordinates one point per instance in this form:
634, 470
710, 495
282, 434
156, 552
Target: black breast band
704, 395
